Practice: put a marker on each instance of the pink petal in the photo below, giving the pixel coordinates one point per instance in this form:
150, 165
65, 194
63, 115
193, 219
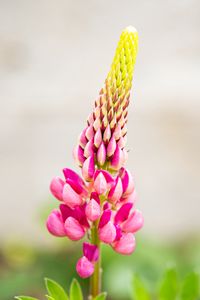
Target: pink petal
116, 191
117, 159
56, 187
70, 197
111, 147
106, 174
88, 168
134, 223
82, 138
127, 181
84, 267
89, 148
91, 252
93, 210
126, 245
107, 134
101, 154
98, 138
73, 229
123, 213
117, 133
74, 180
55, 224
89, 132
107, 233
100, 184
105, 218
78, 155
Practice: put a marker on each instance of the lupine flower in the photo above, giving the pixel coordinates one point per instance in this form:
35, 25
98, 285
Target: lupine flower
104, 197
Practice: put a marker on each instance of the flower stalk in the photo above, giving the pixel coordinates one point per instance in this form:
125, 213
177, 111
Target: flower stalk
95, 280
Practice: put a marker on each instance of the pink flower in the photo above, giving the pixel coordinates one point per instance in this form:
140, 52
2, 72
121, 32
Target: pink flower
74, 230
85, 265
56, 187
125, 245
55, 224
93, 210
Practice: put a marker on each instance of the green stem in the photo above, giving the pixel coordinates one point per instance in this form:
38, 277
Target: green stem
95, 283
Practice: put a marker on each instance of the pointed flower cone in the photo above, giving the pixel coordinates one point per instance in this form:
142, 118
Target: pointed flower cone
105, 134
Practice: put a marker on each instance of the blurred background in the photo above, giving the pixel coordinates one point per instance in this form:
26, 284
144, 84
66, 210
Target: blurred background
54, 57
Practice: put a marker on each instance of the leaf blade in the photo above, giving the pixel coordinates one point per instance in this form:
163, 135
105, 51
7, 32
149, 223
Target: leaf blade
101, 296
169, 285
190, 288
139, 290
75, 291
55, 290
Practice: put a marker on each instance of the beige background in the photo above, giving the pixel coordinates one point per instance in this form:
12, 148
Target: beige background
54, 56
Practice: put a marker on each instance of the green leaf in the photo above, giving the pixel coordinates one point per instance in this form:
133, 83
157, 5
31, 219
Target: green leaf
49, 297
169, 285
190, 288
139, 290
25, 298
55, 290
75, 291
101, 296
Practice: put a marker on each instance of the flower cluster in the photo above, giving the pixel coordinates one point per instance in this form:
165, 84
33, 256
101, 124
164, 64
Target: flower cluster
103, 199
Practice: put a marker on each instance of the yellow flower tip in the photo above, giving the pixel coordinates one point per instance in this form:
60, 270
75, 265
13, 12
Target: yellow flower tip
130, 29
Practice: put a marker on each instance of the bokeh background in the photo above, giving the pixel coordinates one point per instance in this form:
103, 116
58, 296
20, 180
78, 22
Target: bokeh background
54, 57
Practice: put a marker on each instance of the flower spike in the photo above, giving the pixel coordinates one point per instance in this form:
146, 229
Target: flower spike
100, 204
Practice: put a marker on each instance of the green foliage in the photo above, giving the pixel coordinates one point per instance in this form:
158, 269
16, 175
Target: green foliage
75, 291
25, 298
190, 288
101, 296
55, 290
49, 297
169, 285
139, 290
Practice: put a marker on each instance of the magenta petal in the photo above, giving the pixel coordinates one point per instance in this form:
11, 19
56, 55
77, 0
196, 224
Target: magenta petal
73, 229
126, 245
79, 214
123, 213
118, 233
55, 224
105, 218
134, 223
88, 168
70, 174
56, 187
106, 174
116, 191
84, 267
95, 196
117, 159
78, 155
127, 181
66, 212
91, 252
